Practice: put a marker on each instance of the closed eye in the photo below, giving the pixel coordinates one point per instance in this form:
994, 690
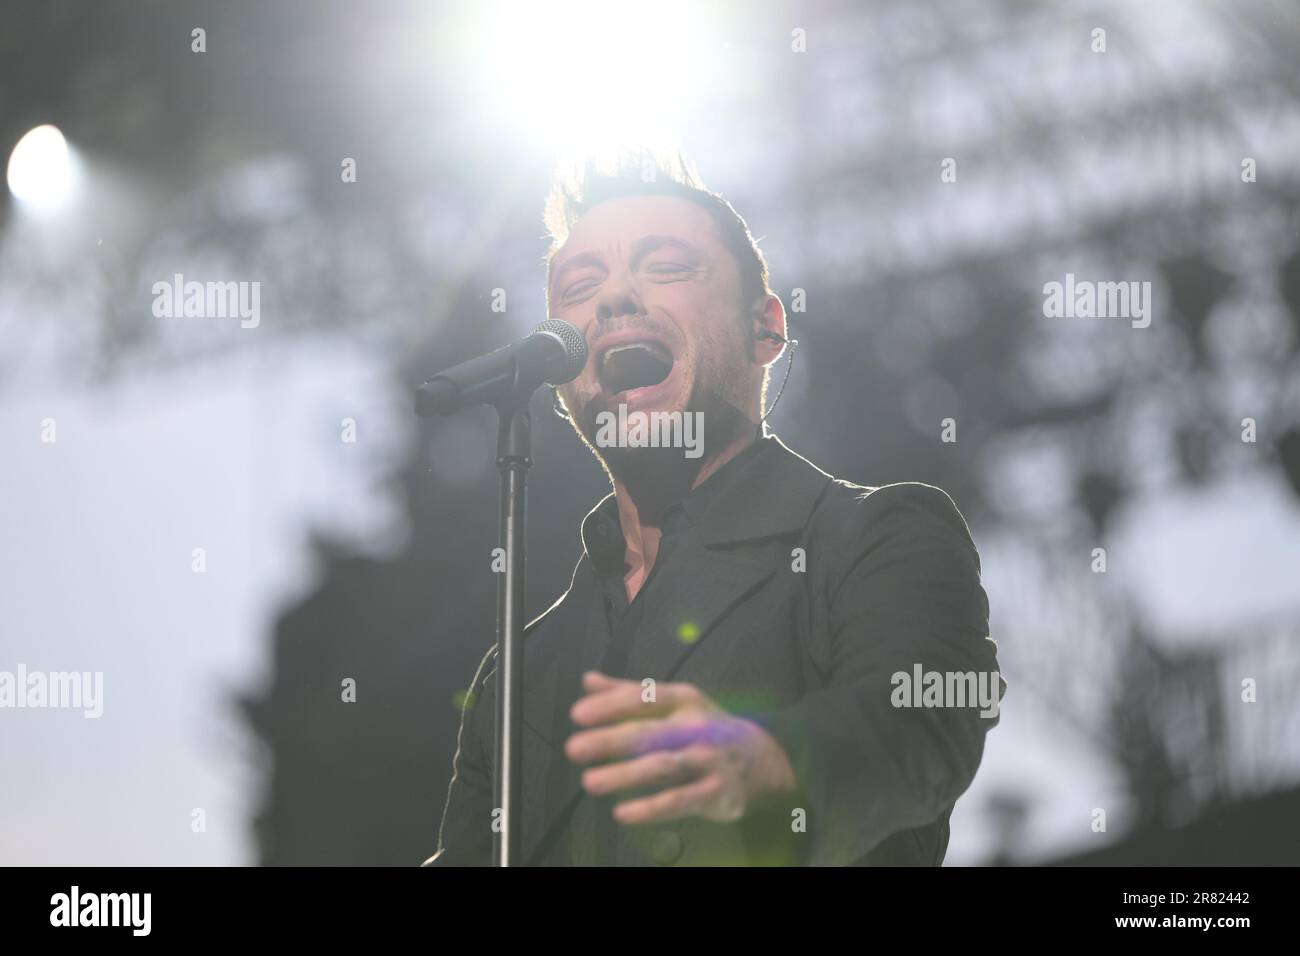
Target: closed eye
579, 288
667, 268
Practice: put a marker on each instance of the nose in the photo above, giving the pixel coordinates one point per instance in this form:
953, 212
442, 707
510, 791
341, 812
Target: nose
618, 299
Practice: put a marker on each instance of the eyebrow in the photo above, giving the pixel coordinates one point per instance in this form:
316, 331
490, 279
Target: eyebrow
640, 249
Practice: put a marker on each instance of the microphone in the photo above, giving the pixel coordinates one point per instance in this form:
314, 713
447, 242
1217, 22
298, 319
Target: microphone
553, 354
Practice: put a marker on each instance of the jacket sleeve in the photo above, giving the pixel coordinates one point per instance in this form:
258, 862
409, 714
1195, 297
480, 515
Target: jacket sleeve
901, 590
465, 834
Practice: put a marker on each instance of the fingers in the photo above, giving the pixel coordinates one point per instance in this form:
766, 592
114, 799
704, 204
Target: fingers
647, 744
609, 699
608, 743
595, 680
699, 798
659, 768
636, 737
616, 703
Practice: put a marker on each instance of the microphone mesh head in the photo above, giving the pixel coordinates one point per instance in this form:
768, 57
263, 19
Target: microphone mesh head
575, 350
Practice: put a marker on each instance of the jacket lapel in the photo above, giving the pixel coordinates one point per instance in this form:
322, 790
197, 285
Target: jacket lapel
569, 643
716, 566
705, 578
704, 585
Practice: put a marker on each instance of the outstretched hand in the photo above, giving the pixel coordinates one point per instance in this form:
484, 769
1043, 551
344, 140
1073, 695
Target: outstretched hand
705, 761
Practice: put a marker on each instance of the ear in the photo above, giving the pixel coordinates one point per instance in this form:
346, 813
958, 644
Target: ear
769, 316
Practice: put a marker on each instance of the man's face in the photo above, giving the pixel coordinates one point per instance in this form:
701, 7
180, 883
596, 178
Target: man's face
657, 296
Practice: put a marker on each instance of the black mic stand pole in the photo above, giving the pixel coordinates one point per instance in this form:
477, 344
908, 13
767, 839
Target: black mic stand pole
514, 449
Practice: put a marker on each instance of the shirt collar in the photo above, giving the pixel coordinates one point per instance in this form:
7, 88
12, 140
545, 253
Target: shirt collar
766, 490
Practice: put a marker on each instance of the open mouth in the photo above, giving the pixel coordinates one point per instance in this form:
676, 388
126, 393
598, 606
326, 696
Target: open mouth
633, 365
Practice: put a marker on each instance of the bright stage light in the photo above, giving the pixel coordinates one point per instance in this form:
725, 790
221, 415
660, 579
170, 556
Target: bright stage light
40, 168
583, 72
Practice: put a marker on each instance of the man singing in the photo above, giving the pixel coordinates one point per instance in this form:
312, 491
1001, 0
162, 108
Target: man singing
729, 678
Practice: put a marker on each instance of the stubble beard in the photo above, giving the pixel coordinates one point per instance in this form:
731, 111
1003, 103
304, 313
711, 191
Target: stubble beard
717, 393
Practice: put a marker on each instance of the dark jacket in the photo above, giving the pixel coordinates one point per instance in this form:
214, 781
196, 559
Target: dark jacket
804, 642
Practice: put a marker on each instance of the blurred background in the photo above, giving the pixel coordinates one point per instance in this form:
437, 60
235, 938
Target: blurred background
229, 521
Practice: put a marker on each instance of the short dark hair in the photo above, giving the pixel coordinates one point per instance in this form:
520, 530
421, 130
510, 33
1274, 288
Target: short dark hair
645, 171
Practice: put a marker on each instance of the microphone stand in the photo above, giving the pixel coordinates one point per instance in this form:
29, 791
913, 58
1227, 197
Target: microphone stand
512, 375
514, 447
